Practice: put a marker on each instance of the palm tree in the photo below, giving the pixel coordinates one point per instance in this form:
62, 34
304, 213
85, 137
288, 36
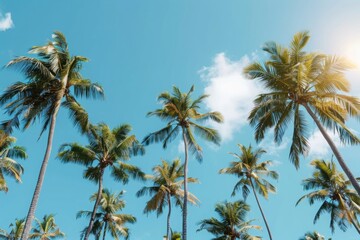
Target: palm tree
176, 236
181, 114
332, 189
232, 224
313, 236
167, 185
46, 229
8, 165
16, 230
107, 220
107, 149
251, 172
296, 79
51, 78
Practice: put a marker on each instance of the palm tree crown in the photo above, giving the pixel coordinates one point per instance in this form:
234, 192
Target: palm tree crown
167, 185
251, 173
298, 79
181, 113
8, 165
176, 236
231, 224
249, 169
46, 229
313, 236
107, 218
334, 191
107, 149
52, 76
316, 82
15, 232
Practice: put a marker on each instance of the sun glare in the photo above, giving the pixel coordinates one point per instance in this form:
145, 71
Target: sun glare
353, 54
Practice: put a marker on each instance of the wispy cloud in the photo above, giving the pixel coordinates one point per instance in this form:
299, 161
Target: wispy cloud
271, 147
6, 22
181, 147
229, 92
319, 148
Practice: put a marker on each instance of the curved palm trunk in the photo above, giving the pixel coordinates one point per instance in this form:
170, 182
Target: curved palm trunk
168, 218
262, 213
105, 229
39, 183
335, 150
184, 227
98, 197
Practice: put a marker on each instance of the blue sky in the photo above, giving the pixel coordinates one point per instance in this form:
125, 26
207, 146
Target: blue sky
140, 48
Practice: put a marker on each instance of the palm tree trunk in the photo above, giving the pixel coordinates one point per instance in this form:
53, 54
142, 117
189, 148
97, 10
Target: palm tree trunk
168, 217
184, 227
262, 213
335, 150
98, 197
105, 228
39, 183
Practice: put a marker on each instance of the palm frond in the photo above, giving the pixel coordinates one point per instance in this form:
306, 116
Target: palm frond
208, 134
17, 152
299, 143
33, 68
158, 135
84, 87
92, 173
8, 125
75, 153
77, 113
122, 172
193, 146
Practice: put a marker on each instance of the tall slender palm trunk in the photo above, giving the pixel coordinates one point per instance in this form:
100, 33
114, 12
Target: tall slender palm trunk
96, 204
184, 227
334, 149
105, 229
262, 213
168, 218
39, 183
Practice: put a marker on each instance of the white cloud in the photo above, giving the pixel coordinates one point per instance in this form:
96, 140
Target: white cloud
230, 92
272, 148
181, 147
6, 22
319, 148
